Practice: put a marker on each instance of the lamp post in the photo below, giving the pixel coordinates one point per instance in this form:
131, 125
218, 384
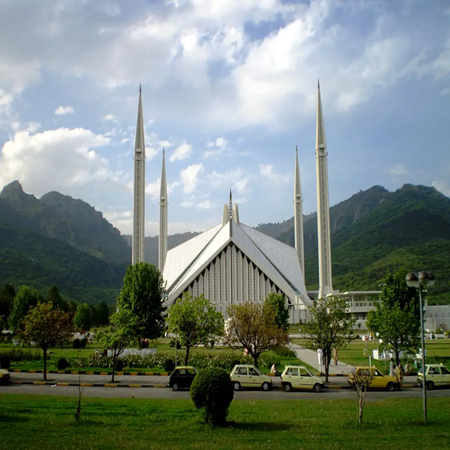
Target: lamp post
419, 281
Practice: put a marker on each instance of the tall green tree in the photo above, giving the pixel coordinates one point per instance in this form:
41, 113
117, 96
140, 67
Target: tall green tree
396, 317
277, 302
48, 327
25, 299
83, 317
7, 295
195, 321
55, 298
118, 335
252, 327
102, 313
328, 326
142, 294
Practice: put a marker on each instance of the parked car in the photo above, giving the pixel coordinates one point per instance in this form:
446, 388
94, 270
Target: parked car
299, 377
379, 381
4, 376
249, 376
182, 377
435, 375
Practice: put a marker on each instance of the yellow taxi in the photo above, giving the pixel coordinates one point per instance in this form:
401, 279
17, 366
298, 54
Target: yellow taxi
299, 377
379, 381
436, 375
248, 376
4, 376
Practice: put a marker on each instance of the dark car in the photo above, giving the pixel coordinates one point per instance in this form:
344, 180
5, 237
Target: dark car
182, 377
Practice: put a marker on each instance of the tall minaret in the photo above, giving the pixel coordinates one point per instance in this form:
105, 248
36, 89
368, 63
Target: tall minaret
298, 217
163, 203
138, 249
323, 205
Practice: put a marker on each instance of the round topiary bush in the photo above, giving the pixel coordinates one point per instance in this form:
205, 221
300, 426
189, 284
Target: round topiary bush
62, 364
76, 343
83, 342
212, 392
119, 365
169, 365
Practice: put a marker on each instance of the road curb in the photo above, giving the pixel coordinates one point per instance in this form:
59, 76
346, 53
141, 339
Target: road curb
110, 385
87, 372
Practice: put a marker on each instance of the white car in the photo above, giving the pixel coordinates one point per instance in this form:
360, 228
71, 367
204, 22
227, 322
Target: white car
244, 375
299, 377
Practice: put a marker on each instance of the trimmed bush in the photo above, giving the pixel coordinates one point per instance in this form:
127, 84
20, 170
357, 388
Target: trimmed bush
175, 341
169, 365
212, 392
62, 364
284, 351
5, 362
76, 343
83, 343
119, 365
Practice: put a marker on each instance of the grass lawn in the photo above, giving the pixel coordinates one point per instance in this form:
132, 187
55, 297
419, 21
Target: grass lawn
353, 353
36, 422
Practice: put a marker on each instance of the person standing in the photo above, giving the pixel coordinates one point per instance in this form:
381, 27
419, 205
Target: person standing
335, 356
407, 368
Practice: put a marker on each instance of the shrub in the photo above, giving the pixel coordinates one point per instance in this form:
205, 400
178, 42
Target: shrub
284, 352
17, 354
169, 365
5, 362
447, 334
212, 392
76, 343
83, 343
175, 341
119, 365
62, 364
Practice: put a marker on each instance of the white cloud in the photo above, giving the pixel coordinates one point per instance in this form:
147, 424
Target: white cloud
266, 170
192, 203
64, 110
184, 151
109, 118
165, 144
216, 148
398, 170
153, 189
56, 160
189, 177
442, 186
235, 179
445, 91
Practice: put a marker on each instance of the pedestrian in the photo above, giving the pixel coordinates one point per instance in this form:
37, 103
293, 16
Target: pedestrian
407, 368
335, 356
273, 369
399, 373
96, 354
391, 367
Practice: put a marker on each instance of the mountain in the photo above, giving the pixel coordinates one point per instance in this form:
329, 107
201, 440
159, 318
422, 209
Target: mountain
377, 230
61, 217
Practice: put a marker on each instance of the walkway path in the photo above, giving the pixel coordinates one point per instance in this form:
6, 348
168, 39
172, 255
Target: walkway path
310, 358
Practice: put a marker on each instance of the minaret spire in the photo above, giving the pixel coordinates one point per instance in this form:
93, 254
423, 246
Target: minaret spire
138, 249
323, 205
163, 225
298, 217
230, 205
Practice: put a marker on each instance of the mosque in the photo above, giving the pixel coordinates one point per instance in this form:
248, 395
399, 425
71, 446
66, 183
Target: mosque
232, 262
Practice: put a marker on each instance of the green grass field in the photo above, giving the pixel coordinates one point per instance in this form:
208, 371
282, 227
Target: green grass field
36, 422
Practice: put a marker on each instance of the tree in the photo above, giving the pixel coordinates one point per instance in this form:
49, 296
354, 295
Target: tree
7, 295
55, 298
252, 327
278, 303
396, 317
328, 326
48, 327
118, 335
25, 299
195, 321
142, 293
83, 317
102, 313
361, 381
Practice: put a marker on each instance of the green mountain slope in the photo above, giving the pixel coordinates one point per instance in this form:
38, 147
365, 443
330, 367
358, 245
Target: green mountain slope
41, 262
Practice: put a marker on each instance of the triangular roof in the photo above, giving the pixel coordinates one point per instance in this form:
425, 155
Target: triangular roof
276, 260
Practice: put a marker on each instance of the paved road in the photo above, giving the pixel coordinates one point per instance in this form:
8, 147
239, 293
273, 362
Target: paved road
277, 394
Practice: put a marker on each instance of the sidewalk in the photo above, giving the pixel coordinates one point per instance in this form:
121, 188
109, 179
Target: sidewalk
310, 358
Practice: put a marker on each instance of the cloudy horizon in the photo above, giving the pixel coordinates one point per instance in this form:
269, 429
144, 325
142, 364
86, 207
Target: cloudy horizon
229, 90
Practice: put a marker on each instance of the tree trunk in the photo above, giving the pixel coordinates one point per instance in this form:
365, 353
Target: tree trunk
255, 360
186, 359
326, 360
397, 357
45, 363
114, 366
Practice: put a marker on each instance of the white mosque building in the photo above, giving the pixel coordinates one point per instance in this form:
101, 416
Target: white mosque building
234, 263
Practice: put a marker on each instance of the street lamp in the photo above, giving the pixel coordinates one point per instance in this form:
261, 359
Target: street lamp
419, 281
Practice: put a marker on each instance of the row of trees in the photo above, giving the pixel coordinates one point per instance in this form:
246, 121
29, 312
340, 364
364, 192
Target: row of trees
14, 306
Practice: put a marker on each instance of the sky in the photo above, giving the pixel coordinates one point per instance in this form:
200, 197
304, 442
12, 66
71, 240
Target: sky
229, 90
